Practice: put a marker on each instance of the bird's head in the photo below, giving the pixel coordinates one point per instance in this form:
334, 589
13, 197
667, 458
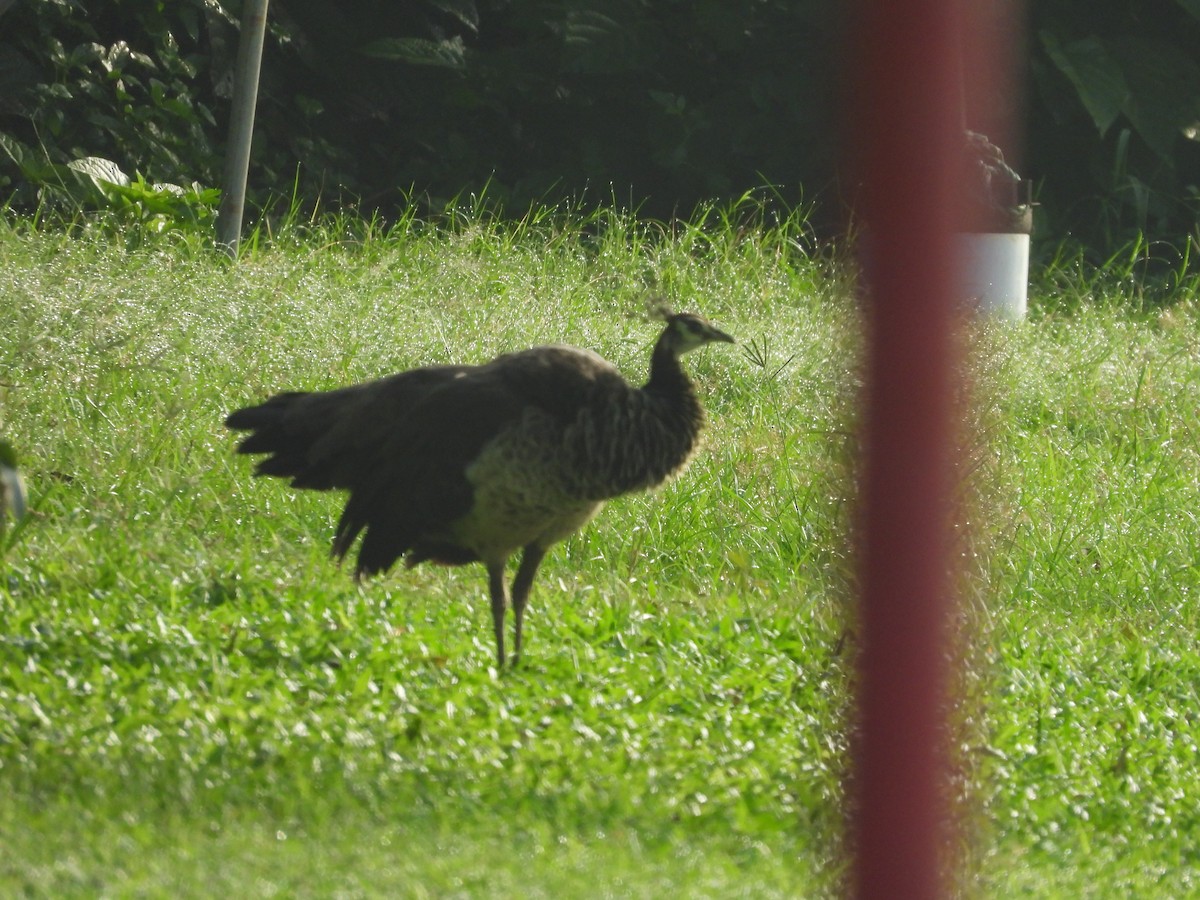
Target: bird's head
687, 331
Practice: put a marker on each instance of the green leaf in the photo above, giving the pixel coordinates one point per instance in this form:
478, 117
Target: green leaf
1098, 80
596, 43
463, 10
14, 150
33, 165
1164, 97
100, 170
447, 54
589, 26
1192, 7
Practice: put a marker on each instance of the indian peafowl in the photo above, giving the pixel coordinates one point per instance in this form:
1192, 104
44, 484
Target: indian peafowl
457, 464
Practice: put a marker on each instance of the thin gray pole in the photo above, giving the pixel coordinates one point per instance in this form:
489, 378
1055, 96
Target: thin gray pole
241, 125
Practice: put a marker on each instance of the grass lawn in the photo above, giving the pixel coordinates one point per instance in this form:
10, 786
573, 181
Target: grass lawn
194, 700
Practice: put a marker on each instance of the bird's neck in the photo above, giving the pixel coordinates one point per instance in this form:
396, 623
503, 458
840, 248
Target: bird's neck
668, 381
674, 394
640, 438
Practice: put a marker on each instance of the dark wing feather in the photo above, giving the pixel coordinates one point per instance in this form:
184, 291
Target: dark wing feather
411, 485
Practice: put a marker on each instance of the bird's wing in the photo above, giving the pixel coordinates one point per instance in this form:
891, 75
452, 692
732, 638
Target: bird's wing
404, 455
434, 425
558, 380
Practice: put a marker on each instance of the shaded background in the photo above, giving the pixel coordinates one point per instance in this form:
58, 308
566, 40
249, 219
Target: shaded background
658, 106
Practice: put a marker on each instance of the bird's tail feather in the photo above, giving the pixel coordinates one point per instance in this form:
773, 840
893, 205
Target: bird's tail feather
288, 427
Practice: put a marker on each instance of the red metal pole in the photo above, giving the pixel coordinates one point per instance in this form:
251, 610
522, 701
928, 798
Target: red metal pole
906, 128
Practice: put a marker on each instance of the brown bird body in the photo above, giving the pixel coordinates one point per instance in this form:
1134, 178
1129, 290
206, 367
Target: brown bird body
458, 464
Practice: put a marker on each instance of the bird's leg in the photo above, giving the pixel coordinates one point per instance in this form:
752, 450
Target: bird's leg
496, 589
522, 582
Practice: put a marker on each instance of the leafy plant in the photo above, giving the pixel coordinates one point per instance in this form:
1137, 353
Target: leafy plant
659, 107
99, 184
1117, 118
126, 83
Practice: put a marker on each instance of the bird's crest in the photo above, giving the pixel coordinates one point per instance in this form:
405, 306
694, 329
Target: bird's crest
659, 309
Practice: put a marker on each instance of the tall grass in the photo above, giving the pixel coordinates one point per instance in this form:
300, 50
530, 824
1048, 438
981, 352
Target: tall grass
188, 684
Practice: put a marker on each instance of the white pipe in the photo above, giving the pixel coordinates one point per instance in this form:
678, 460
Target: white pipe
994, 272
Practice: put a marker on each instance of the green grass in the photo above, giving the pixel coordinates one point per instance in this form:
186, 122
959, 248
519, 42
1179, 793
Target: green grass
194, 699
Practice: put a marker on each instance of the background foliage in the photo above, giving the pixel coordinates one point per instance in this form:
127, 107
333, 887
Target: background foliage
1113, 116
655, 105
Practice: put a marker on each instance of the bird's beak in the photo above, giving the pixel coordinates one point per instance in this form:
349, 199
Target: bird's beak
718, 335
